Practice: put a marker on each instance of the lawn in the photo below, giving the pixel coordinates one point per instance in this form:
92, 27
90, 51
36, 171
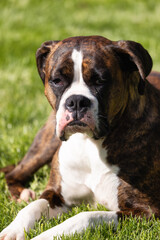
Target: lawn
24, 25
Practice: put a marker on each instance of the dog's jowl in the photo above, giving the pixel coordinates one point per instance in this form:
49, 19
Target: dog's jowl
105, 132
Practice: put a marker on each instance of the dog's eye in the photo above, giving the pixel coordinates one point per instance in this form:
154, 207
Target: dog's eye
57, 82
100, 81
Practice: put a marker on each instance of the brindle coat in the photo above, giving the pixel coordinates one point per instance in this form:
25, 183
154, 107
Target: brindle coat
133, 138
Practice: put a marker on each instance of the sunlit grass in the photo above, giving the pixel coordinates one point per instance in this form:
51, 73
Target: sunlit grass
24, 25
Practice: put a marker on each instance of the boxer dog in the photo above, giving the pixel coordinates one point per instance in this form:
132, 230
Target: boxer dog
103, 135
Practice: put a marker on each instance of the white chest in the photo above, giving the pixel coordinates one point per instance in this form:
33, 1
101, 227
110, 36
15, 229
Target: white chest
86, 176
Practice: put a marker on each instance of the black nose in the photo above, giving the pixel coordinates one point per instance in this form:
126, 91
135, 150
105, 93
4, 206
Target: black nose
78, 105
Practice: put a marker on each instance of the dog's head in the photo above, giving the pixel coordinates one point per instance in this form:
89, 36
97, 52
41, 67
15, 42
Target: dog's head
89, 81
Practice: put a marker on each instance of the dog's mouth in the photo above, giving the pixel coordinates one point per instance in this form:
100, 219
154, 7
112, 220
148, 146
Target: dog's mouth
67, 125
77, 123
75, 127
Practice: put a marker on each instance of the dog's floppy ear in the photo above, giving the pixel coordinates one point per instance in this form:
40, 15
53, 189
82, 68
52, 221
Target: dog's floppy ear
138, 59
138, 55
41, 56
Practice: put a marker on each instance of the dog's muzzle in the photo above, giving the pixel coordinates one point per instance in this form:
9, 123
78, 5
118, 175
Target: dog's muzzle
77, 117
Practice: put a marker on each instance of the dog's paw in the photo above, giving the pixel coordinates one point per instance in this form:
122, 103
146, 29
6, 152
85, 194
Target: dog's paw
12, 233
27, 194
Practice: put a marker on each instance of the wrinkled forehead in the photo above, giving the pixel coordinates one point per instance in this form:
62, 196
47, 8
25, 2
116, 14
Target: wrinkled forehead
93, 52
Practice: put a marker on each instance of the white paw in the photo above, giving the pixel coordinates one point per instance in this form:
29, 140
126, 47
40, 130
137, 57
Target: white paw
11, 233
26, 194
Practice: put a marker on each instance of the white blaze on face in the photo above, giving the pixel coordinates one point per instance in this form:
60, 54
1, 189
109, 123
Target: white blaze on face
77, 58
78, 87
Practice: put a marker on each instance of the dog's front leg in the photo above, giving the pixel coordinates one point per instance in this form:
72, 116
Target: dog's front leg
40, 153
79, 223
26, 218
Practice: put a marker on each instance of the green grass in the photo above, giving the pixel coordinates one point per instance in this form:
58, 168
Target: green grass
24, 25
